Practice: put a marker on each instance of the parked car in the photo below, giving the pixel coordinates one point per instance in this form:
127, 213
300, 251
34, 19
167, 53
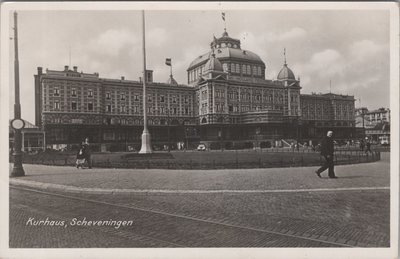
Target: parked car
201, 147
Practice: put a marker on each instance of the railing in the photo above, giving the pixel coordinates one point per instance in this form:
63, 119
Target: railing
273, 160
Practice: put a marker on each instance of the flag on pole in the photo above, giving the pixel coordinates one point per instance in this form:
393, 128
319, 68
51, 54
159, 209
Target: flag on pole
168, 62
223, 16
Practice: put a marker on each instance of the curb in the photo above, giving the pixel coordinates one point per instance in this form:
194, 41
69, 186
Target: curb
84, 190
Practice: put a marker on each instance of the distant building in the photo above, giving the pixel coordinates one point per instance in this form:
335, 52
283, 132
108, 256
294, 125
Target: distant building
227, 103
376, 123
33, 138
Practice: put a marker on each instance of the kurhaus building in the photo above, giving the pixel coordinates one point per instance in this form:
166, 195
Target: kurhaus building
227, 102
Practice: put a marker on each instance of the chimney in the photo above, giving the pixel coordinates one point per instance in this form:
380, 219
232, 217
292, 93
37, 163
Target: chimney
122, 78
75, 69
149, 76
39, 70
65, 68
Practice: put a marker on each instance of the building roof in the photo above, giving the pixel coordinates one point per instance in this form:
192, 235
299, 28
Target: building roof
227, 48
171, 81
226, 54
213, 64
286, 73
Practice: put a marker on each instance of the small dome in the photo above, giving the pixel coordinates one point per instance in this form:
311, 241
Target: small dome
213, 64
171, 81
286, 73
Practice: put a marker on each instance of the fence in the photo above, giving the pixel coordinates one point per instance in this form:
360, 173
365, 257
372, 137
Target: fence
272, 160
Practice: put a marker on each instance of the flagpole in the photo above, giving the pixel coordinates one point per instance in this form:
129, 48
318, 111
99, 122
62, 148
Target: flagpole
146, 140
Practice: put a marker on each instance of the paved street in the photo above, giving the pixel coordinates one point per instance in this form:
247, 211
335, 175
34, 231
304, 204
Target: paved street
286, 207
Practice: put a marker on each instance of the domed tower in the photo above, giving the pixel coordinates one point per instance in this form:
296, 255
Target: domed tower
292, 90
286, 75
236, 62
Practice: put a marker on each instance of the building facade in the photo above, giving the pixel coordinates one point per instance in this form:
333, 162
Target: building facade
375, 124
226, 103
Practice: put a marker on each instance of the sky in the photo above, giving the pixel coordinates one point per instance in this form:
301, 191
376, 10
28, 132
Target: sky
349, 48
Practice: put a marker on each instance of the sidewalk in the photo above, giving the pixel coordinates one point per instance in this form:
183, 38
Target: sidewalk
106, 180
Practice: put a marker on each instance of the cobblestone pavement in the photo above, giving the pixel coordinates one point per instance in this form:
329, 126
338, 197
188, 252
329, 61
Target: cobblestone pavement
356, 218
268, 220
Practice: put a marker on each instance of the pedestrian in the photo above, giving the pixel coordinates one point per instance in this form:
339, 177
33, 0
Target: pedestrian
327, 150
87, 153
362, 145
80, 157
368, 147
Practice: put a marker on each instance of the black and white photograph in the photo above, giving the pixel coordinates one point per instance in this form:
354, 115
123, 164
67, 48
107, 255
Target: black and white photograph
199, 130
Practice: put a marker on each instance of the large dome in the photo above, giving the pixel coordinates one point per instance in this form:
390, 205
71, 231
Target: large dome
286, 74
227, 48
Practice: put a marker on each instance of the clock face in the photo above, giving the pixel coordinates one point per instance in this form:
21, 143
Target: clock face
17, 124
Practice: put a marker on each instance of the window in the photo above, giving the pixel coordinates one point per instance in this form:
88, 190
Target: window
230, 108
90, 106
90, 93
162, 99
149, 109
56, 92
149, 97
259, 71
108, 108
73, 106
108, 95
174, 110
238, 68
225, 67
122, 96
254, 70
73, 92
233, 68
123, 109
174, 99
244, 69
56, 105
186, 110
136, 97
136, 109
186, 99
248, 69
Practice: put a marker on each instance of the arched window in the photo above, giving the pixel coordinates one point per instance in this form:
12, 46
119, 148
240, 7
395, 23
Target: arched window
238, 68
259, 71
204, 120
232, 68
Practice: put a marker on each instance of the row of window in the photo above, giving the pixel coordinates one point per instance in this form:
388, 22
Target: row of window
122, 96
235, 68
243, 69
122, 109
74, 92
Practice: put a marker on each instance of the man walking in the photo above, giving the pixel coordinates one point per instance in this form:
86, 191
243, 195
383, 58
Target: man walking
87, 153
327, 149
368, 146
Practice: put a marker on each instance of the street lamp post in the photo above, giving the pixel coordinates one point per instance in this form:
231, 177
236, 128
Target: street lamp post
168, 124
146, 140
17, 124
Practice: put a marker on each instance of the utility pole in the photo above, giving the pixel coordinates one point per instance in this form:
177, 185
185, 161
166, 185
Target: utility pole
146, 140
17, 123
